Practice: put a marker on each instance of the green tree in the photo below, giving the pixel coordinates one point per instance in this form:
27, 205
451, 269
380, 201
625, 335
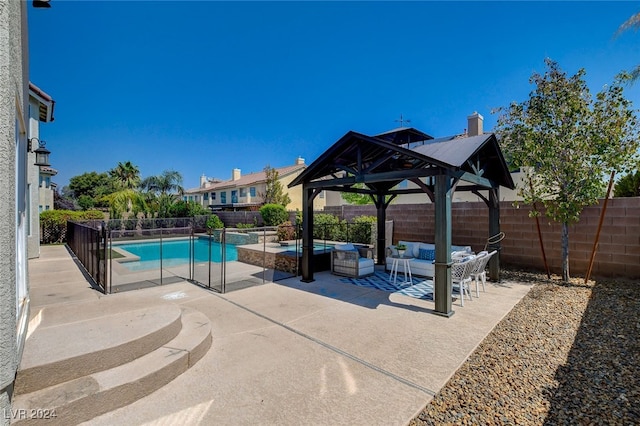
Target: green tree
86, 202
126, 174
91, 184
162, 191
628, 185
168, 182
615, 129
274, 193
632, 23
355, 198
551, 137
126, 200
616, 139
183, 208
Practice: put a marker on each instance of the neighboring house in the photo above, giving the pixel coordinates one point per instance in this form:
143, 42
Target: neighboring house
475, 124
47, 188
245, 192
14, 195
39, 184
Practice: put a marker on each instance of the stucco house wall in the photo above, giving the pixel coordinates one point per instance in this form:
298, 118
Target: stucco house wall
13, 139
209, 194
33, 232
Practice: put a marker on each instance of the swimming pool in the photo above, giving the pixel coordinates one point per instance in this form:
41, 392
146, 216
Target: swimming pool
174, 253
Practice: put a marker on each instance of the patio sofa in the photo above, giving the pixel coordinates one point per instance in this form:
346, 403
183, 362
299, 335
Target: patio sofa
423, 255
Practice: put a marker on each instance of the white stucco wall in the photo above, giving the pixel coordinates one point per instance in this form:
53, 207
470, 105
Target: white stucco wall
33, 234
13, 127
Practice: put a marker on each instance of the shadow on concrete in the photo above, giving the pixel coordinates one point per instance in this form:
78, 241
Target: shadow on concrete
370, 298
600, 382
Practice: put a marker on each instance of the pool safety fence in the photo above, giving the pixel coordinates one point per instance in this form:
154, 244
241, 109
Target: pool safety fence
87, 241
125, 255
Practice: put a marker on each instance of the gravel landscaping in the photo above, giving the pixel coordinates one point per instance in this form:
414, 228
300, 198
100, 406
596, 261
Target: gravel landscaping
566, 354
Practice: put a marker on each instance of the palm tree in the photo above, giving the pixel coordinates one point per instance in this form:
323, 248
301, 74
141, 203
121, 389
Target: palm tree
169, 182
126, 174
164, 189
631, 23
125, 201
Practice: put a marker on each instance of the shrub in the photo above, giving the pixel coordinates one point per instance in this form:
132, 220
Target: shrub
273, 214
53, 223
183, 208
328, 227
286, 231
245, 225
214, 222
363, 229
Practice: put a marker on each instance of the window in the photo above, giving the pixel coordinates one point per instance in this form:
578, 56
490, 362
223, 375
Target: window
243, 192
205, 196
321, 194
213, 195
46, 207
252, 191
234, 196
223, 197
45, 182
184, 198
190, 197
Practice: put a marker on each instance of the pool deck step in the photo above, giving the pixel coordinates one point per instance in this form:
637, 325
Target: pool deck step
84, 397
91, 345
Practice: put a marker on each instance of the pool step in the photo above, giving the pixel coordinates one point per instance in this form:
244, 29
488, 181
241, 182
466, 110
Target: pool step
85, 385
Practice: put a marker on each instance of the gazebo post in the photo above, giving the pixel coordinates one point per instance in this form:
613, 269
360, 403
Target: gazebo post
307, 234
494, 229
442, 277
381, 218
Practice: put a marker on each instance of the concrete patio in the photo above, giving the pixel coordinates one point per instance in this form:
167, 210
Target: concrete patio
288, 352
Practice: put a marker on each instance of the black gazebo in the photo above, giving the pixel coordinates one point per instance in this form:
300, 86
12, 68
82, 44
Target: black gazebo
437, 166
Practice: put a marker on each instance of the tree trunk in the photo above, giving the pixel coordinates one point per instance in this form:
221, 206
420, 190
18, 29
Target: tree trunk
565, 252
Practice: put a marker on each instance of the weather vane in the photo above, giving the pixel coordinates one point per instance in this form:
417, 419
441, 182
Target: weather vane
402, 121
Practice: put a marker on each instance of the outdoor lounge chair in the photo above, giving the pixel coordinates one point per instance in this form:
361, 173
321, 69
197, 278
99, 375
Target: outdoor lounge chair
347, 260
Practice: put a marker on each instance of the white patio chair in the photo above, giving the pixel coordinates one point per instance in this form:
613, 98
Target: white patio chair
479, 272
461, 277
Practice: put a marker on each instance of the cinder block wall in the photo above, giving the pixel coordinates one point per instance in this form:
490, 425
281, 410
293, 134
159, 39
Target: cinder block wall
618, 253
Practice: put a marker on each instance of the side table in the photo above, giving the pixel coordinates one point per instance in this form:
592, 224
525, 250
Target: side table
397, 260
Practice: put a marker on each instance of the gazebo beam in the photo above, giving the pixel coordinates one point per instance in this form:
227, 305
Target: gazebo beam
398, 175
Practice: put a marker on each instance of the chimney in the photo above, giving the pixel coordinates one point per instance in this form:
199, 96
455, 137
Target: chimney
203, 181
475, 124
235, 174
299, 161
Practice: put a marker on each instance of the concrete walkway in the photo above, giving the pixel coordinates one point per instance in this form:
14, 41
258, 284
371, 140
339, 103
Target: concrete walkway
294, 353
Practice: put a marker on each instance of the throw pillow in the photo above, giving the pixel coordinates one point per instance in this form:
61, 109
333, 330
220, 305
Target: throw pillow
426, 254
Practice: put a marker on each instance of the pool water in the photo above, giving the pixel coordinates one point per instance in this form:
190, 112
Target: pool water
175, 253
317, 248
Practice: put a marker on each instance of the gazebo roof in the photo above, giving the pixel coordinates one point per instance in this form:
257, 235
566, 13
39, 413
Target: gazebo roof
382, 161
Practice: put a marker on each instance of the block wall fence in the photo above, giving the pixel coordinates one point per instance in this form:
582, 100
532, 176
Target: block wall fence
618, 253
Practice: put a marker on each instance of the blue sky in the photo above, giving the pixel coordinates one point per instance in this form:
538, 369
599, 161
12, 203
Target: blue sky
205, 87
